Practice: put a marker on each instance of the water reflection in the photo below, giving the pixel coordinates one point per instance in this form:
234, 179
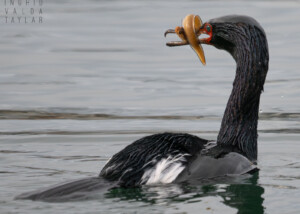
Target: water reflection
243, 193
247, 198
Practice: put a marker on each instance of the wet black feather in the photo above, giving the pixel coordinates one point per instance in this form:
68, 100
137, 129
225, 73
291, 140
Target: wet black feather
246, 41
128, 166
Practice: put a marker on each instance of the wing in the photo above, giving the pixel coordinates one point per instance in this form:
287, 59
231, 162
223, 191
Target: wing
208, 167
155, 158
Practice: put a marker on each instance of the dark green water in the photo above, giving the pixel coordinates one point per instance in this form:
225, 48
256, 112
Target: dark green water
95, 76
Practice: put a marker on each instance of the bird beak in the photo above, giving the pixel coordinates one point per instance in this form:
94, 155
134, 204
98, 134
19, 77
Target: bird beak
189, 35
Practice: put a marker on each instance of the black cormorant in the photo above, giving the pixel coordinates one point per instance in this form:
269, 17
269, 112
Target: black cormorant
175, 157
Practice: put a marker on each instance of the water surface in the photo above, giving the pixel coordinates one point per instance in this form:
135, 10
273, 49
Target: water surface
95, 76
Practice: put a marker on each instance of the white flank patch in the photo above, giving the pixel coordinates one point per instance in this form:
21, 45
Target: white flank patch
165, 171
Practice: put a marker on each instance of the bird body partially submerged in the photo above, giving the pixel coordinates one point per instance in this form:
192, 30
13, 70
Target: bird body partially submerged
152, 158
173, 157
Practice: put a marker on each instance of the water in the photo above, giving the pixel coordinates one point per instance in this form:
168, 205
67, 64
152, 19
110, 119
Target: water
95, 76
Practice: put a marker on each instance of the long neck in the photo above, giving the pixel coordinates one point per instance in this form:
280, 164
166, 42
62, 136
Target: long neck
239, 124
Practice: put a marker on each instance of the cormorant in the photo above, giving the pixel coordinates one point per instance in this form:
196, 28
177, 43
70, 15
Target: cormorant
176, 157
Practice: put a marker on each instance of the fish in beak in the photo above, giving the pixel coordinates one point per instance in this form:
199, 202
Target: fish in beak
189, 33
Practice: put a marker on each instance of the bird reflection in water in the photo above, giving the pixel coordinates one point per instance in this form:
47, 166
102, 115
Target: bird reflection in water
242, 193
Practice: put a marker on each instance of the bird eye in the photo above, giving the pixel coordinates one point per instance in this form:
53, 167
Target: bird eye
208, 28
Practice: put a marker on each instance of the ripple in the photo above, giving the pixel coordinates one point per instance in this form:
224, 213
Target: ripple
43, 115
279, 116
283, 80
75, 157
283, 131
7, 114
12, 151
276, 186
100, 132
135, 132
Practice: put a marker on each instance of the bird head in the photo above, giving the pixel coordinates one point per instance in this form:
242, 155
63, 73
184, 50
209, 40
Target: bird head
227, 33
